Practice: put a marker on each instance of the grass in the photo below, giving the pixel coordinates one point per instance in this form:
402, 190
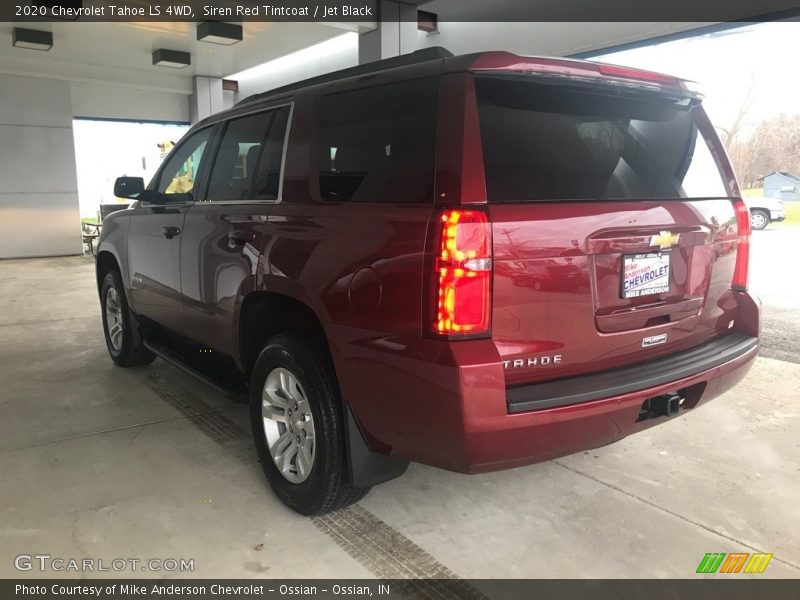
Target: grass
792, 214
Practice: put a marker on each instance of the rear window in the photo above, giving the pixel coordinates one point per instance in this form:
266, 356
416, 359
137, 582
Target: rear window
547, 141
378, 144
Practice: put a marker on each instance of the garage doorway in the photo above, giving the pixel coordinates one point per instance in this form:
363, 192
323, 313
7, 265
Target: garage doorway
107, 149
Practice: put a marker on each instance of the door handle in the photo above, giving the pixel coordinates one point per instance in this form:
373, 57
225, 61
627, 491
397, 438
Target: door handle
240, 238
171, 232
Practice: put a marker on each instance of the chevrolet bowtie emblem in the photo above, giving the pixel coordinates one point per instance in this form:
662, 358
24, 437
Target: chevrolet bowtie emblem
665, 240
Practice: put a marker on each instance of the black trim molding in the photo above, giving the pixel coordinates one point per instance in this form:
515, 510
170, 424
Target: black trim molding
585, 388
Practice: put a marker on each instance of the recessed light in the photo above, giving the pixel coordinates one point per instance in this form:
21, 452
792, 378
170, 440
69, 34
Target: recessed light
216, 32
32, 39
174, 59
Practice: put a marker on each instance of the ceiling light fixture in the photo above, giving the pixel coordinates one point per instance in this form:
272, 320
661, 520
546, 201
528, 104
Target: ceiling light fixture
427, 21
32, 39
216, 32
171, 58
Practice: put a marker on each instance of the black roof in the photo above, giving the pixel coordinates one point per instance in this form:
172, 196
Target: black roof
788, 175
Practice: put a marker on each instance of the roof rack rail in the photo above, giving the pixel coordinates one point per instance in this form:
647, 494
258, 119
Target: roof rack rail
424, 55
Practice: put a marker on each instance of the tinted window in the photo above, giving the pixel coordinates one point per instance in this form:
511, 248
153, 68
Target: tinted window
236, 163
178, 178
268, 175
378, 144
543, 141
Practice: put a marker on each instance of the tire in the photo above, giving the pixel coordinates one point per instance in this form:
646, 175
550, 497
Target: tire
296, 415
125, 349
759, 219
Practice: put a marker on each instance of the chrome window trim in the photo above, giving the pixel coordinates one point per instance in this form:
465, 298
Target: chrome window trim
161, 205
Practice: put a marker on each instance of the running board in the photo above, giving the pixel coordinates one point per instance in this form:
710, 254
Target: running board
236, 393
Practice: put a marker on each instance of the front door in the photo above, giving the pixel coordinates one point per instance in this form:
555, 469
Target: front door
155, 233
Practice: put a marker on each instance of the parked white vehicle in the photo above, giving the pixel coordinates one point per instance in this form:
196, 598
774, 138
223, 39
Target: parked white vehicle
764, 210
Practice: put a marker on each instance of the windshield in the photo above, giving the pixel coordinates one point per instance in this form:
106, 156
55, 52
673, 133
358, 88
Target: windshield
563, 141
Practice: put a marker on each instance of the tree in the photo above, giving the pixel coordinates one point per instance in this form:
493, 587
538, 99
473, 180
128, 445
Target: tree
773, 145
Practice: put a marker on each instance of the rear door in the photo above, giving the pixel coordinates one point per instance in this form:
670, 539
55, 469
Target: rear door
155, 232
614, 236
225, 232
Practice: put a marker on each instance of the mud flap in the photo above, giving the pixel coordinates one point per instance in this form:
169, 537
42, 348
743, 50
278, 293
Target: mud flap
136, 328
368, 468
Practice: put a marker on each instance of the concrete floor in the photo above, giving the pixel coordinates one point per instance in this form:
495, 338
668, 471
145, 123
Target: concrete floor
774, 278
103, 462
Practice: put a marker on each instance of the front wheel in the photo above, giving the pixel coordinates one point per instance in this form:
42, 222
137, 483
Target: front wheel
125, 349
759, 219
298, 427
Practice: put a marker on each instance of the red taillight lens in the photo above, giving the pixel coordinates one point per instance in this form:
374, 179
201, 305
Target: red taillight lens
464, 271
742, 245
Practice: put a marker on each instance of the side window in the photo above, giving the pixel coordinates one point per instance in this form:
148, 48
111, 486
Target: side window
246, 145
178, 178
378, 144
268, 177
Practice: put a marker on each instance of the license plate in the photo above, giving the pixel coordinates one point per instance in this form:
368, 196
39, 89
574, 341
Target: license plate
645, 274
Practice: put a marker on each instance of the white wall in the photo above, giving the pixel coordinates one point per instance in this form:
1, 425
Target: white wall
109, 101
39, 208
38, 185
331, 55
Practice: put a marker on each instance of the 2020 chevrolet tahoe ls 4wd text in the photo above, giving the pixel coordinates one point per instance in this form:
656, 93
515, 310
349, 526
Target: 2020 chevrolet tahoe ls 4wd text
473, 262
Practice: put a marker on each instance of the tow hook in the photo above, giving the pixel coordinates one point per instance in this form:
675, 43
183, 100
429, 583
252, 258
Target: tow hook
665, 405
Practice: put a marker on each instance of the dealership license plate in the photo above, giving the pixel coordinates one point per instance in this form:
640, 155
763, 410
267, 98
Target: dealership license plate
645, 274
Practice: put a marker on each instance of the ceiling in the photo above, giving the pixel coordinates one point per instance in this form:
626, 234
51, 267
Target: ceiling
121, 53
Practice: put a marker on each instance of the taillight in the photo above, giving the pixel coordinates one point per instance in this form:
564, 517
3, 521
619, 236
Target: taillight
742, 245
464, 272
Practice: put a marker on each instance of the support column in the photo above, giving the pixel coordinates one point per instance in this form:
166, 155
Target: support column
207, 98
396, 33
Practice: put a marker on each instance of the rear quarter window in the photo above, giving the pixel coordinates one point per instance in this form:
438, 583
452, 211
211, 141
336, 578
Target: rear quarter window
547, 141
378, 144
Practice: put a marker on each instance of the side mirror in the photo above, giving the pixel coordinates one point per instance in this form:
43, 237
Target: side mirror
128, 187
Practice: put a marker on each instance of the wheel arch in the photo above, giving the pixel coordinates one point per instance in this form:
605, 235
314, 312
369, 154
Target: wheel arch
106, 261
265, 314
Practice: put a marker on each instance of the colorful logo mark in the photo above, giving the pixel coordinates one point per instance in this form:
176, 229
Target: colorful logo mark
735, 562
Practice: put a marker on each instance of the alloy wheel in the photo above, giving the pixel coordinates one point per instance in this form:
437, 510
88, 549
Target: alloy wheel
114, 318
288, 425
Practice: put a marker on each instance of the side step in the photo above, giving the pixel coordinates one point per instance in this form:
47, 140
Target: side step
236, 392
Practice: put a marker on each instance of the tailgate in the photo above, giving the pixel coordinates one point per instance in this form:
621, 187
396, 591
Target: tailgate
613, 229
558, 305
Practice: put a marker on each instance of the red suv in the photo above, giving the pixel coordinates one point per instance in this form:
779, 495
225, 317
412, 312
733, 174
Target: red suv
473, 262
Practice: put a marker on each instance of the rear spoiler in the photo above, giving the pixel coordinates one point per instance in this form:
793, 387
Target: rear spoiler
505, 62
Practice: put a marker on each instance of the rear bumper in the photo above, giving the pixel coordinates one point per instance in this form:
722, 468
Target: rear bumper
641, 376
447, 405
527, 437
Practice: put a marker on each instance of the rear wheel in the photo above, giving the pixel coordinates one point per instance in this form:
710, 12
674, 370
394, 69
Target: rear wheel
758, 219
298, 427
125, 349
